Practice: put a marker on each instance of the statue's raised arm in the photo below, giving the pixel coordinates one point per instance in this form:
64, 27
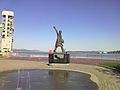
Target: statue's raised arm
55, 29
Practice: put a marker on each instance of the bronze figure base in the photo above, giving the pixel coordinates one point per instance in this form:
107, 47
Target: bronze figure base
59, 58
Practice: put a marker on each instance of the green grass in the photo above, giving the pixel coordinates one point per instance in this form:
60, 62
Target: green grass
113, 66
2, 56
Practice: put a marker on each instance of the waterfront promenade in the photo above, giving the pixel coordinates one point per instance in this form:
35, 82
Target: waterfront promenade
105, 78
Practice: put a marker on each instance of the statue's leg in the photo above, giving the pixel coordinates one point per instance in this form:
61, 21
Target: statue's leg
62, 49
55, 49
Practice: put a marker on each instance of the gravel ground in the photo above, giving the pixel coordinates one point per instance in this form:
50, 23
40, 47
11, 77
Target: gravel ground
86, 61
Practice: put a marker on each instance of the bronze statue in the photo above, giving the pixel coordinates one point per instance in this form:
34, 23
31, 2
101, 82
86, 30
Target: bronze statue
59, 41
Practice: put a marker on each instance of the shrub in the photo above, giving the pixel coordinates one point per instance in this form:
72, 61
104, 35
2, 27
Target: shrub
113, 66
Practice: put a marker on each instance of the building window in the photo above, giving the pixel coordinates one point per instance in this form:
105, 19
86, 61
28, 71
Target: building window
4, 16
4, 20
10, 17
5, 51
3, 36
12, 40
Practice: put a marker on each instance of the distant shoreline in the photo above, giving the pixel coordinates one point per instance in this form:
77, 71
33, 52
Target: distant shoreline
71, 57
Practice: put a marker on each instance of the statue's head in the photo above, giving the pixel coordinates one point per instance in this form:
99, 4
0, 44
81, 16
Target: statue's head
60, 31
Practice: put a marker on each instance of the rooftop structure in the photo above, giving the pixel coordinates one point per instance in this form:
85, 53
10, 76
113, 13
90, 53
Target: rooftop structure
6, 32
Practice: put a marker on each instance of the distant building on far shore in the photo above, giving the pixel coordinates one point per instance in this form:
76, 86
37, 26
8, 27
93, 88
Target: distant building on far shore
6, 33
102, 52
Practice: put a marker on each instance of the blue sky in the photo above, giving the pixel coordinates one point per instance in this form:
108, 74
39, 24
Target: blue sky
85, 24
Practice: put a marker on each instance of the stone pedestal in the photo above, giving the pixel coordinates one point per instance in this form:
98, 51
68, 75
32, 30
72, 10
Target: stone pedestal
59, 58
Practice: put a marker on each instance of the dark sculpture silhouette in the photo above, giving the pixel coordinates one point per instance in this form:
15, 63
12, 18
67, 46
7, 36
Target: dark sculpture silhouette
59, 41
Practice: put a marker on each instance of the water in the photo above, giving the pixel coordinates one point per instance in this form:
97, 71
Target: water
95, 55
74, 54
46, 80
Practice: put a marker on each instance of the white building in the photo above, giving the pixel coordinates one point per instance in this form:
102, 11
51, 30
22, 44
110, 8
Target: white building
6, 32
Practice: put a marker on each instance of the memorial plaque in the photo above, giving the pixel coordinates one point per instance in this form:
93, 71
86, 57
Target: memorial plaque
59, 58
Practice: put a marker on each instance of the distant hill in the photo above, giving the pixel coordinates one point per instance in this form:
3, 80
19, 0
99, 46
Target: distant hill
114, 51
85, 51
25, 50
